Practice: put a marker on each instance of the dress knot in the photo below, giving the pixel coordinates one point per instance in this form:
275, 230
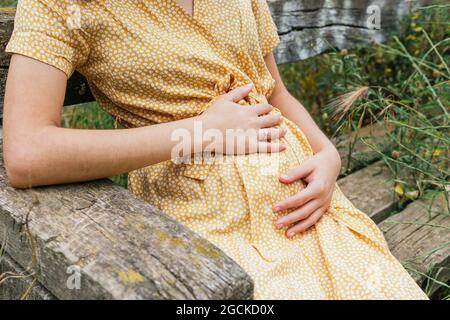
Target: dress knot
229, 82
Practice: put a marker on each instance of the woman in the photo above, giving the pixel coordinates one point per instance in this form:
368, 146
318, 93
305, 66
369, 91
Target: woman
164, 66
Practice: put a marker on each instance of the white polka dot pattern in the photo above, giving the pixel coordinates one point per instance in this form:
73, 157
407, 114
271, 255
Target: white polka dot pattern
150, 62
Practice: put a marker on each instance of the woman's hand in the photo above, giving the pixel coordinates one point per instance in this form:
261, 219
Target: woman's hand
231, 128
320, 172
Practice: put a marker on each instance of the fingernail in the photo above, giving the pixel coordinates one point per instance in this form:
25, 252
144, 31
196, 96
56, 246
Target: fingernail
279, 225
277, 207
290, 234
284, 177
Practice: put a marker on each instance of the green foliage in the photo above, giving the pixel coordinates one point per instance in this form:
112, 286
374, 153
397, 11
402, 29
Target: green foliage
402, 85
409, 93
8, 3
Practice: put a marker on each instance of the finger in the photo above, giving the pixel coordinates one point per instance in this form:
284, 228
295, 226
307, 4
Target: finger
296, 200
238, 93
299, 172
318, 187
271, 134
270, 120
262, 108
298, 215
305, 224
270, 147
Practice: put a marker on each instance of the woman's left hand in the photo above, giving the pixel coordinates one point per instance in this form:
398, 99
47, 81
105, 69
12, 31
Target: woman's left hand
320, 172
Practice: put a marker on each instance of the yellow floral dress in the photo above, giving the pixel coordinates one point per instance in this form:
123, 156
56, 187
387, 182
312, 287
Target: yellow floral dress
149, 61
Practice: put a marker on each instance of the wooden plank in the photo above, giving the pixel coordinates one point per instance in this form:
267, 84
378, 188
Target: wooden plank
3, 74
6, 28
370, 190
310, 27
20, 288
419, 237
124, 248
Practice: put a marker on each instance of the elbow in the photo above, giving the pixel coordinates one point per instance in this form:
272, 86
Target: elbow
19, 167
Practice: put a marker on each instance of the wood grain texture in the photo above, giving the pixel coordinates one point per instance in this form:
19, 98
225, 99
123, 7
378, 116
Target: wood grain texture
125, 248
370, 190
310, 27
20, 288
6, 28
419, 237
3, 74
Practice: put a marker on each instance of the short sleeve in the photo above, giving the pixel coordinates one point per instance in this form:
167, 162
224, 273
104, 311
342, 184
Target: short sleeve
267, 29
42, 32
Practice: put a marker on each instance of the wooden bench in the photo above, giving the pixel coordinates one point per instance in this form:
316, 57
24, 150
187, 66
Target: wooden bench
123, 247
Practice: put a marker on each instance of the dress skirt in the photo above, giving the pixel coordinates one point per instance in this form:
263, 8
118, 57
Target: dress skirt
229, 202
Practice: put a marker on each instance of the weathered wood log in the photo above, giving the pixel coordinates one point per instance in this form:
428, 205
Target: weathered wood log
419, 237
6, 28
122, 247
371, 190
20, 284
3, 74
310, 27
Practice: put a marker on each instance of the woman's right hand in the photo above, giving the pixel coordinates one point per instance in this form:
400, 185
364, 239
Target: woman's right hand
231, 128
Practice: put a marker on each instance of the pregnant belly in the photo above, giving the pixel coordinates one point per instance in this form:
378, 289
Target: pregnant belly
228, 194
260, 172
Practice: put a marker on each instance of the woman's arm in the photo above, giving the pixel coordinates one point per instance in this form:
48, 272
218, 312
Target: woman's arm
319, 172
38, 151
292, 109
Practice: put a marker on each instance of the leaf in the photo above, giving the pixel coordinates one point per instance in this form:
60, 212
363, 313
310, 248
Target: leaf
436, 153
412, 195
399, 189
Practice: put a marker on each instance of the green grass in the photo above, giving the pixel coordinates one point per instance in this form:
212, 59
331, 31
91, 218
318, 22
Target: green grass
402, 85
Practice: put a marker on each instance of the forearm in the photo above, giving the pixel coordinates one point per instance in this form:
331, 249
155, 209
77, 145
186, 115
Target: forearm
51, 155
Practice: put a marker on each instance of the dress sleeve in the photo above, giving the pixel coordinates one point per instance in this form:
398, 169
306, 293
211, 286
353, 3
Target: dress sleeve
43, 30
267, 29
